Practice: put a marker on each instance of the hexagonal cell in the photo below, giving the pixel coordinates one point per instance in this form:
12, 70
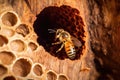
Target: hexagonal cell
51, 75
7, 32
22, 67
32, 46
22, 29
9, 78
9, 19
3, 40
3, 70
17, 45
37, 69
63, 17
62, 77
7, 57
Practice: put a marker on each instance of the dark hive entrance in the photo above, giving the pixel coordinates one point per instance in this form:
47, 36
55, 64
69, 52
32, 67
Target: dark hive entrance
64, 17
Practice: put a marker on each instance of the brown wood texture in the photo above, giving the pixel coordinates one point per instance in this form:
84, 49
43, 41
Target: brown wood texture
100, 59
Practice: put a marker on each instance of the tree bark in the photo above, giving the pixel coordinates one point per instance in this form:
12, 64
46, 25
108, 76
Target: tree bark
100, 54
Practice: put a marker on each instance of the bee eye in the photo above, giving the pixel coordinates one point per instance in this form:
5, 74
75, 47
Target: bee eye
57, 33
64, 35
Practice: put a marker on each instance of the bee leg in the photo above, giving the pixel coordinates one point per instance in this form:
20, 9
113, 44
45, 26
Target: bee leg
56, 43
60, 48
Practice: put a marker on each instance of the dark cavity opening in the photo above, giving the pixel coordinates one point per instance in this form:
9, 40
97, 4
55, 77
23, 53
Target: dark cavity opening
64, 17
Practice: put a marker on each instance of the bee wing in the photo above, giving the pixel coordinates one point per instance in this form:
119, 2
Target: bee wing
76, 42
51, 30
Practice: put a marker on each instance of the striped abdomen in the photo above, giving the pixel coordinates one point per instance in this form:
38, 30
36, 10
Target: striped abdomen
70, 50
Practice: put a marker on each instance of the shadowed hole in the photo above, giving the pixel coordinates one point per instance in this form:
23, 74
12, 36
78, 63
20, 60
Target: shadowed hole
22, 67
62, 77
38, 70
3, 70
53, 17
7, 57
22, 29
9, 78
51, 75
17, 45
33, 46
3, 40
9, 19
7, 32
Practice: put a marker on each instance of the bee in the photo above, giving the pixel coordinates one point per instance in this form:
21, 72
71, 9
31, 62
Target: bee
69, 45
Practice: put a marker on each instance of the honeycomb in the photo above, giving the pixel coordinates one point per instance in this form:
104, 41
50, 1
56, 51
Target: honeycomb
16, 48
63, 17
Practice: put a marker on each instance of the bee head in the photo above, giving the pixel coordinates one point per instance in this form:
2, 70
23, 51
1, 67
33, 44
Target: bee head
58, 32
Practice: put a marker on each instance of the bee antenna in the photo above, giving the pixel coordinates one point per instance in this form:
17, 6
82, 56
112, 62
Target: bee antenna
51, 30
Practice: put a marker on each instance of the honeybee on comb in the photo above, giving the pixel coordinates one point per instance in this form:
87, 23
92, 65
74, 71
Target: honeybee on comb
68, 42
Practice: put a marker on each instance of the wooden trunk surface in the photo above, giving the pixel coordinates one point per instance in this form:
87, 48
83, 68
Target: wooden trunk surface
100, 59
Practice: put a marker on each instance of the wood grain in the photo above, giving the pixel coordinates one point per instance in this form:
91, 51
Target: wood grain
101, 53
